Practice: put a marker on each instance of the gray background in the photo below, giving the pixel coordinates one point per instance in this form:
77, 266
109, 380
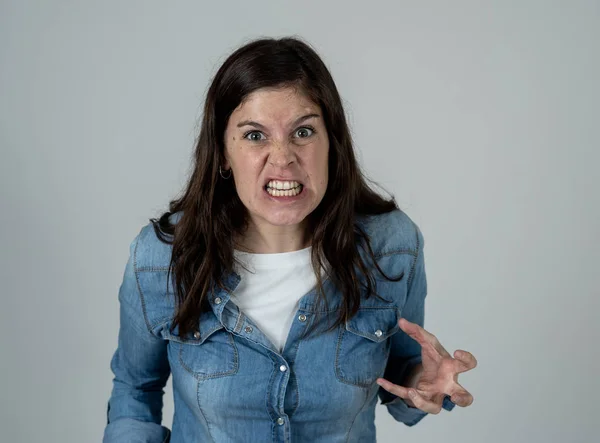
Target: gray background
481, 117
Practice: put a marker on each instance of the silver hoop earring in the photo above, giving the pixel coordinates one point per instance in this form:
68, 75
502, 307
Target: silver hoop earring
221, 173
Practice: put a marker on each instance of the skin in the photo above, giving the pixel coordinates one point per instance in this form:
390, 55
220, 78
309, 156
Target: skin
281, 148
436, 377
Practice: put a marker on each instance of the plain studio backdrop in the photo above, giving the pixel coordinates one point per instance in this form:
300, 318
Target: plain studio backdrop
482, 118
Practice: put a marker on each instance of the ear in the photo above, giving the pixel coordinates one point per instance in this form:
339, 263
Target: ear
224, 159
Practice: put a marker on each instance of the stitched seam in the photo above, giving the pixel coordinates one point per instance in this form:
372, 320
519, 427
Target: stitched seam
152, 268
194, 342
370, 336
199, 376
293, 363
337, 360
309, 309
208, 425
239, 322
267, 398
341, 333
162, 322
139, 286
414, 264
354, 419
396, 251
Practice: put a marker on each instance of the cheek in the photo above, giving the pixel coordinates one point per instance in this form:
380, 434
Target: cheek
317, 169
247, 169
323, 165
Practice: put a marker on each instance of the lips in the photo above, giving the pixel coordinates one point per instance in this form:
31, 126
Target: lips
299, 185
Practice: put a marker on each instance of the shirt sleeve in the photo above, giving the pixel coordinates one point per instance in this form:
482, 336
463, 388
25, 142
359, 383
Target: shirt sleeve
141, 370
405, 352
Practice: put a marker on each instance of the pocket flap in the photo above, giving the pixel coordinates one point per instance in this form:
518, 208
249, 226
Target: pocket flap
375, 324
208, 325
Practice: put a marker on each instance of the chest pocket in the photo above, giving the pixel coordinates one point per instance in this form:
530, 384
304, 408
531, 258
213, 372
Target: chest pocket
209, 352
363, 346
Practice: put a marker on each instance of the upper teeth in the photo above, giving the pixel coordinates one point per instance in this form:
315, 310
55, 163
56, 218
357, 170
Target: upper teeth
276, 184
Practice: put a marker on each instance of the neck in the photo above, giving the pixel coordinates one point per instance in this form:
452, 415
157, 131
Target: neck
272, 239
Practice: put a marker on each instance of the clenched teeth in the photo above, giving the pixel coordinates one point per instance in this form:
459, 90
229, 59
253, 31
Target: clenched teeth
283, 185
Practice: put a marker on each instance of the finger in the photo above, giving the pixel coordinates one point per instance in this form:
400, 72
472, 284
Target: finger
415, 331
422, 336
465, 361
398, 390
461, 397
422, 403
410, 394
463, 400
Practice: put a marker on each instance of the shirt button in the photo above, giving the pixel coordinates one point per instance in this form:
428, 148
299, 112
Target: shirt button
197, 334
302, 317
282, 368
248, 329
280, 421
378, 333
218, 300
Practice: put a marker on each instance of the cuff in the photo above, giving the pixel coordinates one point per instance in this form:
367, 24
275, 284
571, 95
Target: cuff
135, 431
404, 413
448, 404
408, 415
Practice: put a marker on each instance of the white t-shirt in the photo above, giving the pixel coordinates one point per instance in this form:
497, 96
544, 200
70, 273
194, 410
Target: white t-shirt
270, 289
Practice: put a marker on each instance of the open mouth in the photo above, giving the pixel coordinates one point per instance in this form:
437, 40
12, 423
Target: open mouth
289, 190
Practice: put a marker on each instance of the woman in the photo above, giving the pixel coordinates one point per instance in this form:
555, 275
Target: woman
282, 294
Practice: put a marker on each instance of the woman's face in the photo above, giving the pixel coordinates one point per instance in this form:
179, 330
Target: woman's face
277, 147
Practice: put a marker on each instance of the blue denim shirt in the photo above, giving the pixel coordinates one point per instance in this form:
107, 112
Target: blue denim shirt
230, 383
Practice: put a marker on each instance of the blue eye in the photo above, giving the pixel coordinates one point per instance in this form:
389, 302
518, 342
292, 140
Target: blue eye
253, 139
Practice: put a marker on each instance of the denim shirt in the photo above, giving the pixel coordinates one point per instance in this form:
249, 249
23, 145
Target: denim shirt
231, 384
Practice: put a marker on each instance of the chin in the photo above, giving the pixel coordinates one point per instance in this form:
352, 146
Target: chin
283, 219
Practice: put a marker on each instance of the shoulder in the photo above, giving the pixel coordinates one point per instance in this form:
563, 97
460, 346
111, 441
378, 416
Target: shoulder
149, 251
151, 258
392, 232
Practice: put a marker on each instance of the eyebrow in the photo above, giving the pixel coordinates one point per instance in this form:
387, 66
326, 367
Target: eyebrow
258, 125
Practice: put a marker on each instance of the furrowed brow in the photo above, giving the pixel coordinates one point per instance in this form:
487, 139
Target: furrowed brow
259, 126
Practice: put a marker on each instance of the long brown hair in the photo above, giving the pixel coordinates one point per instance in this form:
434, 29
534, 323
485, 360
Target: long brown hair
211, 211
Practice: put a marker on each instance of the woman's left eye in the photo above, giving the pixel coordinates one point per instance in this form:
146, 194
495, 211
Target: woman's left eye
307, 131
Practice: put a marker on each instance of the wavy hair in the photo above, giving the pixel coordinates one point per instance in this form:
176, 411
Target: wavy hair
211, 211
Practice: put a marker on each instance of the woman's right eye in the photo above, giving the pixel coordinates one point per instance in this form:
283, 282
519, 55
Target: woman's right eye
253, 137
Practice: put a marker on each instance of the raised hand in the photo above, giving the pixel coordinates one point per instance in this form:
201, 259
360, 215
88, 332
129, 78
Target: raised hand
436, 377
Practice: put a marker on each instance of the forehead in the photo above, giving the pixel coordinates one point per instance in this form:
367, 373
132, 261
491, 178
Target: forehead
275, 103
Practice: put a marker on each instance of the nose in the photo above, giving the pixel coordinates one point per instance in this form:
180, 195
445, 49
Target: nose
281, 155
